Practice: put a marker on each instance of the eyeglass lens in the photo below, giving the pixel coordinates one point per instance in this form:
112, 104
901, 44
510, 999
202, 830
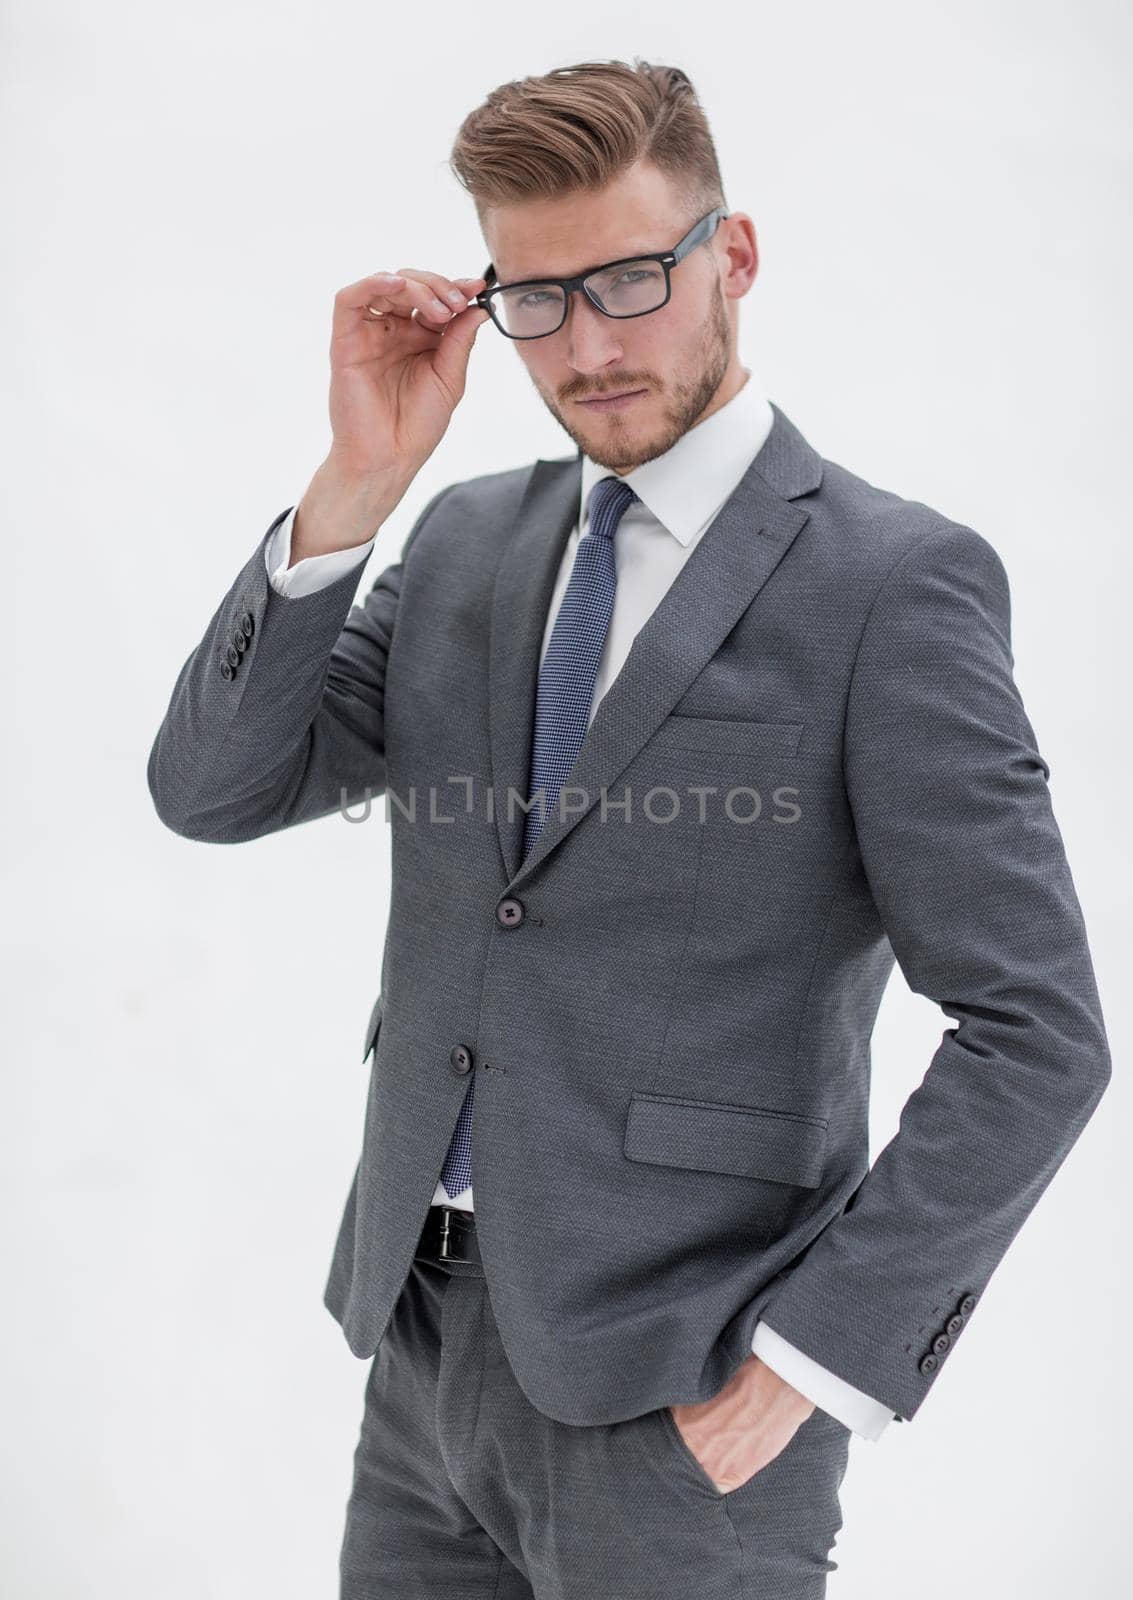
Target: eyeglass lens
626, 290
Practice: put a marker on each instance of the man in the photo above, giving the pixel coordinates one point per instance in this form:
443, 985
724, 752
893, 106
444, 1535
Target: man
643, 1027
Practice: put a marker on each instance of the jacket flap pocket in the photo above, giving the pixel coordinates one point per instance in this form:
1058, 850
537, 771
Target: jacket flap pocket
729, 735
708, 1136
372, 1027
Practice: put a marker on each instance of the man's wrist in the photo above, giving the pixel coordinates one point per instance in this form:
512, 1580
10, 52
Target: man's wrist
768, 1388
340, 511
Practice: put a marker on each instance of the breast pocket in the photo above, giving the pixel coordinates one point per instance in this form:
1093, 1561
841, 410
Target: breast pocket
727, 735
710, 1136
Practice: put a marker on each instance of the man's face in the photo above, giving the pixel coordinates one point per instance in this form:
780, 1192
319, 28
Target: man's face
683, 357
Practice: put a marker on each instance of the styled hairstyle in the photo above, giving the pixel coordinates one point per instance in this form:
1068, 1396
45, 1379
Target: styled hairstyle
576, 128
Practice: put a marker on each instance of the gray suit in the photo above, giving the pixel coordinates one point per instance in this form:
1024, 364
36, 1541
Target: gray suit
670, 1021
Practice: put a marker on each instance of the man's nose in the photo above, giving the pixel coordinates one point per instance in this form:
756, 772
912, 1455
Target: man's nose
593, 340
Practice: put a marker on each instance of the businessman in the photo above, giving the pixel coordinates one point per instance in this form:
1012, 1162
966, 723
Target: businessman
686, 736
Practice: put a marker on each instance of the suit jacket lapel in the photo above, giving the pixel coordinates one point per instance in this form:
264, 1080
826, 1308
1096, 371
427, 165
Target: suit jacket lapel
732, 561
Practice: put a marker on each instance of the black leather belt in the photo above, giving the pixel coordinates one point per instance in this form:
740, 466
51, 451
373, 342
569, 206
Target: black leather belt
449, 1235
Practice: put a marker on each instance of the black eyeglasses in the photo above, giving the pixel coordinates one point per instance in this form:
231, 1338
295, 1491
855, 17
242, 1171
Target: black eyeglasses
631, 287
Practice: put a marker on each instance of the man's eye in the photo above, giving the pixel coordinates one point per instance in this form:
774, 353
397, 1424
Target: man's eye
535, 297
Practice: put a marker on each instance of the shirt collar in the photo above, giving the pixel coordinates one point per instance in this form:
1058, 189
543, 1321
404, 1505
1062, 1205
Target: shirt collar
687, 485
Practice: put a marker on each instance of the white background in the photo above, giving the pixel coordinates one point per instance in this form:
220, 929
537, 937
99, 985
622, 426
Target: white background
941, 196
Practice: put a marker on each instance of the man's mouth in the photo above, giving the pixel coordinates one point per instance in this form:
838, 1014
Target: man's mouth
613, 402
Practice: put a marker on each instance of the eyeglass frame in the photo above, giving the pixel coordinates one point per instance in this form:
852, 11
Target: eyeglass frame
698, 234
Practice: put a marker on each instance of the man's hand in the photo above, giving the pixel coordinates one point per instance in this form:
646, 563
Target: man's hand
745, 1425
399, 352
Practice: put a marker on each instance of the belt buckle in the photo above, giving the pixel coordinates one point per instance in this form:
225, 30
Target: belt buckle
445, 1254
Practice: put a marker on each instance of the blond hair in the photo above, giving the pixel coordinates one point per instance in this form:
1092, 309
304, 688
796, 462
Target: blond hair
576, 128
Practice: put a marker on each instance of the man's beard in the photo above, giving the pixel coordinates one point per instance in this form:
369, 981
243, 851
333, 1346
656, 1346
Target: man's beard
688, 399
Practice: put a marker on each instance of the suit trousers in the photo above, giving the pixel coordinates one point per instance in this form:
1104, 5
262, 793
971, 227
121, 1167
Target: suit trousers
463, 1489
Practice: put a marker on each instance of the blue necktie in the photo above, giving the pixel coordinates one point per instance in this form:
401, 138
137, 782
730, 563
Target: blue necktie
562, 712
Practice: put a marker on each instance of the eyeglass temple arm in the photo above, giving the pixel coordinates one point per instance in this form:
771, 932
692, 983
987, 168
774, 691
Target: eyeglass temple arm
703, 230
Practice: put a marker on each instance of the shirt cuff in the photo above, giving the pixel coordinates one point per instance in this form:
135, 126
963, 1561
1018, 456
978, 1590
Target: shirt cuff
855, 1410
313, 572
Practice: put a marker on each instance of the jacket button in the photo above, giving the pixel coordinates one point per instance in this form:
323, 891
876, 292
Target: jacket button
954, 1323
941, 1343
967, 1305
509, 912
928, 1364
239, 640
248, 624
233, 656
461, 1057
225, 670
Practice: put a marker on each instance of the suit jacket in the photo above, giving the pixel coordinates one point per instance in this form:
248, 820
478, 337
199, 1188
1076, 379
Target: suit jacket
670, 1021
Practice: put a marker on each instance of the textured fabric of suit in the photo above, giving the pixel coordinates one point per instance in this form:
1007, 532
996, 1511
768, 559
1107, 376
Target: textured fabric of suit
461, 1487
562, 711
832, 669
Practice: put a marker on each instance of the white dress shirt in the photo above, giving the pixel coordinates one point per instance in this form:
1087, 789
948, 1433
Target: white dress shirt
679, 493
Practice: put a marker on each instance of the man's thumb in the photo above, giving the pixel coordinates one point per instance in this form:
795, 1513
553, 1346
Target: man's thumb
451, 357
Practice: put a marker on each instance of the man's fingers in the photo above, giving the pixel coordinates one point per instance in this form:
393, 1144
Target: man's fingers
450, 360
393, 294
452, 293
409, 294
